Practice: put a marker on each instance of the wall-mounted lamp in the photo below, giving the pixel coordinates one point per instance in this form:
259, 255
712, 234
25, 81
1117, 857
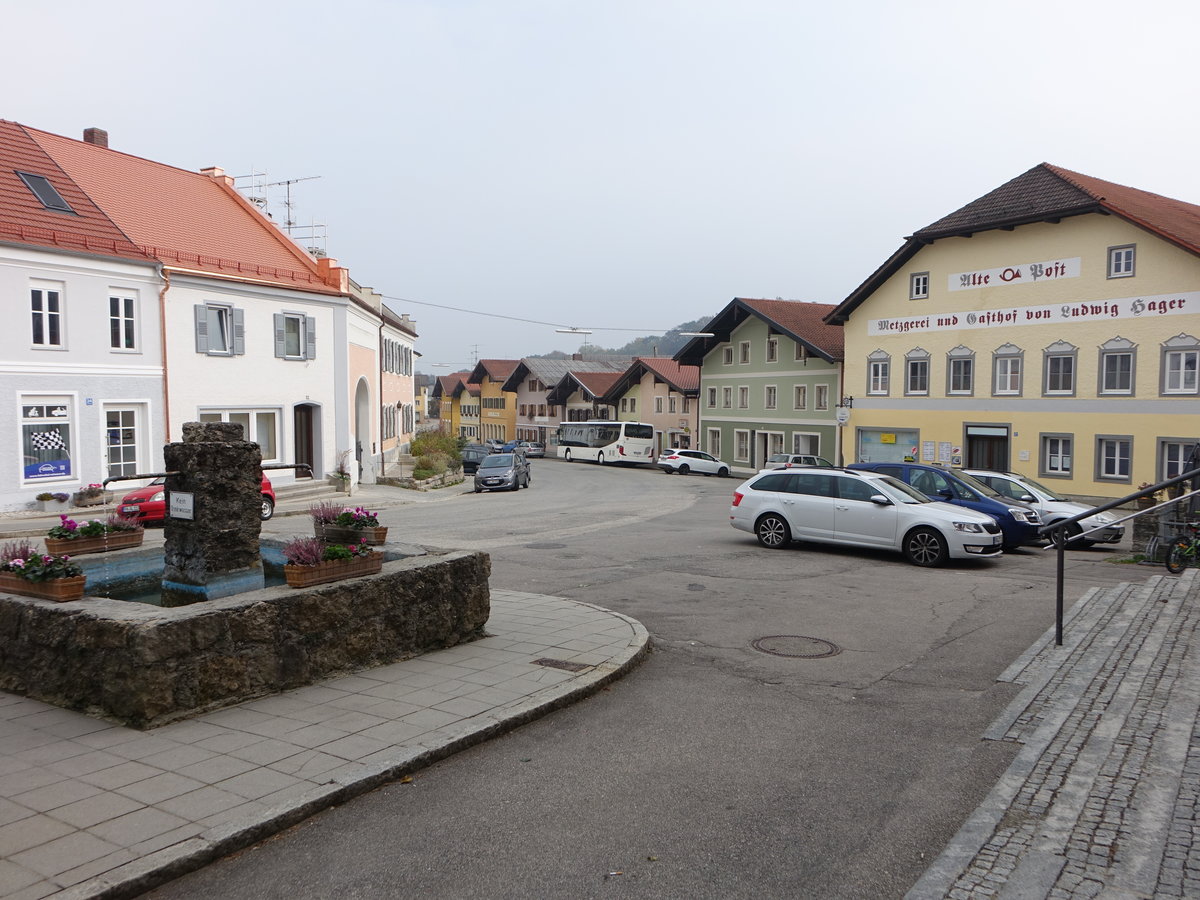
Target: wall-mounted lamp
847, 402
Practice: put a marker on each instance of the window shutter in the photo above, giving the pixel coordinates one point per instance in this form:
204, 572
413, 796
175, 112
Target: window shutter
280, 347
200, 311
239, 332
310, 337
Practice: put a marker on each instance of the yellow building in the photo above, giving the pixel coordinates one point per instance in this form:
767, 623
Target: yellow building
497, 407
1051, 327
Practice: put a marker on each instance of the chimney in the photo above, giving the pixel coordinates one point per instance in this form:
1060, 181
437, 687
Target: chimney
216, 173
97, 136
577, 357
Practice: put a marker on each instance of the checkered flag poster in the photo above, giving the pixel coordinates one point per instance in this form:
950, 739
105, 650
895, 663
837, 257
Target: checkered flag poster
47, 440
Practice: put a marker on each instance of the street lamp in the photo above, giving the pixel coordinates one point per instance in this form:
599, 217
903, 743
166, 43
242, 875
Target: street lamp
696, 334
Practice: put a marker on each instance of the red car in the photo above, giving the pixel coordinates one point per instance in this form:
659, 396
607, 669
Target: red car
149, 504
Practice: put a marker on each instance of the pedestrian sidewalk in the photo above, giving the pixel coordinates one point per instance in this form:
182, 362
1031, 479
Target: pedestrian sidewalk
91, 809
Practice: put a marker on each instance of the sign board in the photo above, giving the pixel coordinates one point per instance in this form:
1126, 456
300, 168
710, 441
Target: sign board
843, 415
181, 505
887, 438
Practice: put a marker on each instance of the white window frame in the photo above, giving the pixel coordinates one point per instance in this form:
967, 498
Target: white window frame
916, 366
43, 295
806, 443
125, 320
727, 355
254, 415
1056, 455
1067, 354
743, 397
658, 405
918, 286
744, 353
879, 371
1114, 449
1181, 366
1122, 261
1007, 371
714, 442
303, 329
770, 397
726, 398
225, 320
822, 397
133, 417
1110, 351
772, 350
800, 397
741, 445
46, 418
712, 398
960, 367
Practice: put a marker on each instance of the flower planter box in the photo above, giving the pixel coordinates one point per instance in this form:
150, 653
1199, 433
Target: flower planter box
57, 589
332, 570
339, 484
53, 506
83, 500
341, 534
114, 540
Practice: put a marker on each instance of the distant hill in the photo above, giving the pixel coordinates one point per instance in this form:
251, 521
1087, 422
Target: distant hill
652, 345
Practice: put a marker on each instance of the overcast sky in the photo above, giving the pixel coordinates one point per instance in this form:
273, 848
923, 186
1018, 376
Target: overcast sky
625, 164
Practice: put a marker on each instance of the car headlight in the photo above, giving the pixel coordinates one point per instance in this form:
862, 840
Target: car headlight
1102, 519
1025, 515
159, 497
969, 527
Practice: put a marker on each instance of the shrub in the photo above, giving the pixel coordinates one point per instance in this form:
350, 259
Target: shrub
356, 518
68, 529
44, 495
21, 549
420, 474
324, 513
431, 442
310, 551
436, 463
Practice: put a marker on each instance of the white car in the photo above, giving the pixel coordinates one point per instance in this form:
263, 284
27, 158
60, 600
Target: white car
787, 460
860, 509
685, 461
1054, 507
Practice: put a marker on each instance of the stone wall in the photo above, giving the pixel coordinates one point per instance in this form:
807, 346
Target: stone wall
144, 665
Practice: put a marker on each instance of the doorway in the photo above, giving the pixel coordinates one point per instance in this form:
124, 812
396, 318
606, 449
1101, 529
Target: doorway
987, 447
302, 437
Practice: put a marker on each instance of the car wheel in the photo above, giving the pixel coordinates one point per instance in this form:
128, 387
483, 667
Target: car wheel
600, 458
925, 547
479, 490
684, 469
567, 456
772, 532
722, 472
268, 508
1074, 530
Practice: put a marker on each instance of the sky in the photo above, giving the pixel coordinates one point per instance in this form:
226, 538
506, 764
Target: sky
498, 169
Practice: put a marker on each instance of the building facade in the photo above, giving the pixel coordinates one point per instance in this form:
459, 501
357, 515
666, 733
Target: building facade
497, 406
662, 393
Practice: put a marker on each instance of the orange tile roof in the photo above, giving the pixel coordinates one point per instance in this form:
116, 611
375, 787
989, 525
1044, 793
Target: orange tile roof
596, 382
187, 220
495, 369
803, 322
23, 218
679, 376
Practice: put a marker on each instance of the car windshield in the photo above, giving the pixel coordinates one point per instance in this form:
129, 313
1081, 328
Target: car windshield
906, 494
1041, 488
497, 461
986, 489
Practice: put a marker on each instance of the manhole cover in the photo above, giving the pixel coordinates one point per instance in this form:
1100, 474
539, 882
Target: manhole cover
795, 645
544, 546
695, 587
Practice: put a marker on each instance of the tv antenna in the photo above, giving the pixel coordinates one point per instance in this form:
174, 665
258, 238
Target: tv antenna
289, 223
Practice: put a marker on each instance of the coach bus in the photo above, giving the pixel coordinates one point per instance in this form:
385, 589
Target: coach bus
606, 442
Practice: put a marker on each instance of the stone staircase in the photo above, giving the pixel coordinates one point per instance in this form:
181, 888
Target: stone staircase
1103, 798
297, 497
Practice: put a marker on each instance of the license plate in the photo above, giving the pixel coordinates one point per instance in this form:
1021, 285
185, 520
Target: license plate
129, 509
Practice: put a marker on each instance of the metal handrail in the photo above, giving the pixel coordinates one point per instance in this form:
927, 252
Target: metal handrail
144, 475
1058, 532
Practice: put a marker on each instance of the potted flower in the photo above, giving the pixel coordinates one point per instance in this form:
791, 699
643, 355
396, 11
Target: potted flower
312, 561
92, 495
52, 502
94, 536
26, 572
340, 477
1150, 499
339, 524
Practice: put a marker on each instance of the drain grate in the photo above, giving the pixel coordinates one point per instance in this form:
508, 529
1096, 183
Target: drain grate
545, 545
795, 645
560, 664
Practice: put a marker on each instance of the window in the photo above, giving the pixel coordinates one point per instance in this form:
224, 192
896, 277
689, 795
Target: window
743, 398
1056, 455
624, 404
806, 444
1116, 366
800, 397
658, 406
524, 408
1058, 362
1113, 455
822, 396
542, 409
258, 425
672, 402
1173, 454
878, 371
727, 356
774, 443
45, 192
769, 396
1120, 261
741, 441
687, 405
295, 336
772, 350
46, 436
1006, 370
918, 286
960, 371
45, 304
727, 398
712, 398
801, 353
122, 321
220, 330
916, 372
121, 435
1180, 356
744, 352
632, 404
714, 442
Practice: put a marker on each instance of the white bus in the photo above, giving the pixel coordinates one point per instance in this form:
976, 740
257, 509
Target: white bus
606, 442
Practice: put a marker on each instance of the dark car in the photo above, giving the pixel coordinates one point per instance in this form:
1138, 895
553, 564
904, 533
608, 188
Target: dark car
149, 503
1019, 522
502, 472
471, 454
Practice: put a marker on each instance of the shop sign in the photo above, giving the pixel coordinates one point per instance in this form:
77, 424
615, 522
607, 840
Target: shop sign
1025, 273
887, 438
1058, 314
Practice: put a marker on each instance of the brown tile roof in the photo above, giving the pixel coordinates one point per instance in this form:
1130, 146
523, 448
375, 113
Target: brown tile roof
187, 220
495, 369
549, 371
1044, 193
596, 382
23, 218
803, 322
685, 379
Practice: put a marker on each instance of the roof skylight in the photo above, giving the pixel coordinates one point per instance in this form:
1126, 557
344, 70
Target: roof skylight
45, 191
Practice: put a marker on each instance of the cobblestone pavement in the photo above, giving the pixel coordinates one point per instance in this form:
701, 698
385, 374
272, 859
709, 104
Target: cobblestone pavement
1103, 799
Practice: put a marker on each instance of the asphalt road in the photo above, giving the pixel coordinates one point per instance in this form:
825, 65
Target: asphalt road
713, 770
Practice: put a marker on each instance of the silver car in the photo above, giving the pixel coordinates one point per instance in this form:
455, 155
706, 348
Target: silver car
502, 472
1054, 507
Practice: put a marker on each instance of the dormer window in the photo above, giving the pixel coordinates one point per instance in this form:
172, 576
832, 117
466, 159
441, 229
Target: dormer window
45, 192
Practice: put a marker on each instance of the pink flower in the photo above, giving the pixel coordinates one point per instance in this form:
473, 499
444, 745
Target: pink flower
17, 563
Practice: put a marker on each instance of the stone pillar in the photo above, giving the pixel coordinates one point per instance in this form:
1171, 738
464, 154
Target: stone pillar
215, 553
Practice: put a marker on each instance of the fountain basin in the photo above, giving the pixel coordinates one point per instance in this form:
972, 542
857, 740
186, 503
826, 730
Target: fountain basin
144, 665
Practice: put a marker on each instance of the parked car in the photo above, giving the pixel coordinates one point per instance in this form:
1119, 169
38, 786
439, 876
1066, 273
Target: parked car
1019, 522
685, 461
535, 450
502, 472
860, 509
471, 454
515, 447
785, 460
494, 445
149, 503
1054, 507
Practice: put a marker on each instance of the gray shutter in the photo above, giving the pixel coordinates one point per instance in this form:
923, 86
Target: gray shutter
310, 337
239, 332
280, 348
201, 313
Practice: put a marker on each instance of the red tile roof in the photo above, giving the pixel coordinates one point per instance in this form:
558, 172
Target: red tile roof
597, 383
219, 233
679, 376
801, 321
23, 218
495, 369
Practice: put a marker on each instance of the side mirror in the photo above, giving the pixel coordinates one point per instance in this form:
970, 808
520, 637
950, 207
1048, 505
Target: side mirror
1027, 498
880, 500
947, 493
